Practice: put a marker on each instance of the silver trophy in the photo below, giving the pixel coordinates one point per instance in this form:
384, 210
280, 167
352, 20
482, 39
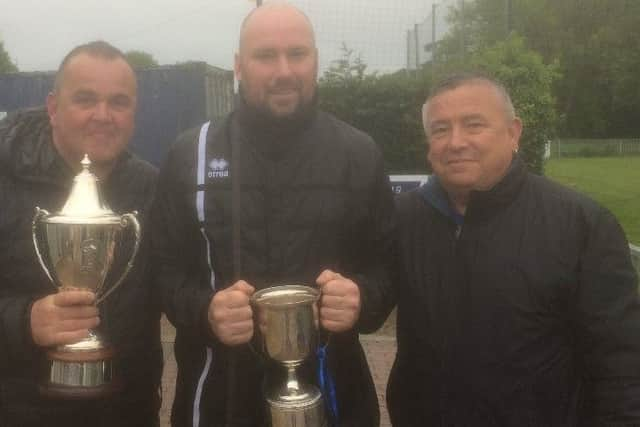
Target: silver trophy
76, 249
288, 322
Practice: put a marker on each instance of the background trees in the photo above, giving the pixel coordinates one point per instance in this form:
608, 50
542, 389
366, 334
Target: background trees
140, 59
570, 66
6, 66
530, 83
387, 107
595, 44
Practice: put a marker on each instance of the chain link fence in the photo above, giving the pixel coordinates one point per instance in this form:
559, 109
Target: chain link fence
375, 30
592, 148
423, 38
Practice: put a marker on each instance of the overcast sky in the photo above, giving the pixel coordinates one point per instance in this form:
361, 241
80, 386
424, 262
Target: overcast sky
38, 33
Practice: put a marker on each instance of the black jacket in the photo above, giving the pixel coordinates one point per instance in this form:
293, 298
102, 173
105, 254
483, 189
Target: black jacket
529, 317
311, 198
33, 174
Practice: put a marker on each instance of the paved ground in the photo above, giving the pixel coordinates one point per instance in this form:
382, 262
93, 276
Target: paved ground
380, 349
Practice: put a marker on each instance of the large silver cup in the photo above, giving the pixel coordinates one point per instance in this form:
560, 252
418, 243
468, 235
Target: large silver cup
288, 323
76, 248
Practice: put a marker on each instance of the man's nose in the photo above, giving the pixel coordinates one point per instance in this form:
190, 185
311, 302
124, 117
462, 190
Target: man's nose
102, 112
457, 138
283, 66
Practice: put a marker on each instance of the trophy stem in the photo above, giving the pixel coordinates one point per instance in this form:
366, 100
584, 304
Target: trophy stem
293, 387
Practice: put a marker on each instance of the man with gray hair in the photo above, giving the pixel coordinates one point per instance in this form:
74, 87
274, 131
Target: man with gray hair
517, 299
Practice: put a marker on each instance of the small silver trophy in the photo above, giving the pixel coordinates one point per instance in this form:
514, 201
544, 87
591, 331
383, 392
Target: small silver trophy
288, 323
76, 249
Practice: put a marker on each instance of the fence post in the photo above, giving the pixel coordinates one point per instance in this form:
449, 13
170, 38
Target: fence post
417, 42
635, 256
559, 152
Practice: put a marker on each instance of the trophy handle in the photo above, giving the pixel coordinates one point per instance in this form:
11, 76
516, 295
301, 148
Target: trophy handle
126, 220
40, 213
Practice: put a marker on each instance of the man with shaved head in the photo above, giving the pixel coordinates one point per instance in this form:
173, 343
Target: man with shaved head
276, 193
91, 111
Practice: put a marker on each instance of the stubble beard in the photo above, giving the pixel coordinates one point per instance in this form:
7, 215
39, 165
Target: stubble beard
263, 112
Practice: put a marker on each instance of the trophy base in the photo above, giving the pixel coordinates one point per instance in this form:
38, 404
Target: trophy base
65, 392
81, 375
306, 410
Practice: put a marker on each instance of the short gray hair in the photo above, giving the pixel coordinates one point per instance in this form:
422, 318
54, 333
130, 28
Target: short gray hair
454, 81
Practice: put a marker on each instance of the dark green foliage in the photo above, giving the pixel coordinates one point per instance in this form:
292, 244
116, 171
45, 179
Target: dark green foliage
571, 67
529, 82
140, 60
386, 107
6, 66
594, 42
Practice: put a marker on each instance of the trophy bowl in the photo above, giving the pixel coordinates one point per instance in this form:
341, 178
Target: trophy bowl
76, 248
288, 322
77, 255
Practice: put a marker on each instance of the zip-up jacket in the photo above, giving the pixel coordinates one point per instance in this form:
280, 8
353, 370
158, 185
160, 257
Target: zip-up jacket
524, 312
33, 174
309, 199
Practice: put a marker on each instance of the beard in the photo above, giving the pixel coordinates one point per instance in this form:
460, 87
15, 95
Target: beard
261, 115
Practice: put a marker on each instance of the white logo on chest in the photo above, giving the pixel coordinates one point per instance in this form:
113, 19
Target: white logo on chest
218, 168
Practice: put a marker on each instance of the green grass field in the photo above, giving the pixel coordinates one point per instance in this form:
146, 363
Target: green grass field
612, 181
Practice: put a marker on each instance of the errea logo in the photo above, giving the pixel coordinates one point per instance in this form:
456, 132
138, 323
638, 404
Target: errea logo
218, 168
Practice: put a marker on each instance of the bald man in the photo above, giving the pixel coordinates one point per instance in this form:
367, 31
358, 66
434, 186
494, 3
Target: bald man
277, 192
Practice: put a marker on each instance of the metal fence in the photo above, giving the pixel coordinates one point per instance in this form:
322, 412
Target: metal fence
592, 148
635, 256
423, 38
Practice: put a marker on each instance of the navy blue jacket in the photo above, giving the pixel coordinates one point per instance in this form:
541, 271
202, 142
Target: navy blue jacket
524, 312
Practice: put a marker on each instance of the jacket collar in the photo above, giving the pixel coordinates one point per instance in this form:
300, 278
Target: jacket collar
435, 195
482, 204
